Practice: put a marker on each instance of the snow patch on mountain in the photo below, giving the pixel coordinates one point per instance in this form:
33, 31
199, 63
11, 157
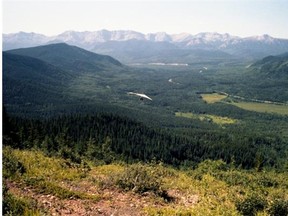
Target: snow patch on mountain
260, 45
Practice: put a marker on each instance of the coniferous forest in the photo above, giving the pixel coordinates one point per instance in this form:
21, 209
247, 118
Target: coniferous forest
112, 138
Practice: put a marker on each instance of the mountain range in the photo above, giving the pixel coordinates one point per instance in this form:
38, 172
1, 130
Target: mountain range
132, 46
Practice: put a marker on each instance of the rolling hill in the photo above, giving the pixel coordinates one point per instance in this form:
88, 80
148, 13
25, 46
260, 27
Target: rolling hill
43, 79
273, 65
29, 81
68, 57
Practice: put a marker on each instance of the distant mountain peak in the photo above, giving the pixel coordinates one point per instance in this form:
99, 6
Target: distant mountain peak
158, 36
105, 35
264, 37
254, 46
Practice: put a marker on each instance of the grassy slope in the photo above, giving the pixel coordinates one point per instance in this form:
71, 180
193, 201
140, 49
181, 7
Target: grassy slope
54, 185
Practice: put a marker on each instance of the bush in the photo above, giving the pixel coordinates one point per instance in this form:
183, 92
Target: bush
11, 165
234, 178
251, 205
279, 208
12, 205
267, 182
209, 167
67, 153
141, 178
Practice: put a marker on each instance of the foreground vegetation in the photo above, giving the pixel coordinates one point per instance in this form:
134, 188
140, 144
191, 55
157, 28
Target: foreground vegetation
37, 184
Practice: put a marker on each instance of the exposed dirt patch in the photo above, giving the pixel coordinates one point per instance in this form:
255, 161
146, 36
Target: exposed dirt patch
113, 201
182, 198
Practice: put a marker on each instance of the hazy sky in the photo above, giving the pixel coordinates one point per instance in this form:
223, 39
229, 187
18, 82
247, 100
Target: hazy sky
237, 17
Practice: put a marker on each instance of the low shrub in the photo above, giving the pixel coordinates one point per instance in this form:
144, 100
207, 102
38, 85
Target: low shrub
279, 208
209, 167
267, 182
251, 205
12, 205
234, 177
11, 165
140, 179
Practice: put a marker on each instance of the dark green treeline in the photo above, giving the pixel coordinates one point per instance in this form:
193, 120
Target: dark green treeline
108, 137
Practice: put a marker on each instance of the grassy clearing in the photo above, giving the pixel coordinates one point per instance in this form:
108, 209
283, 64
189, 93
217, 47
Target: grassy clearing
220, 120
213, 97
251, 106
263, 107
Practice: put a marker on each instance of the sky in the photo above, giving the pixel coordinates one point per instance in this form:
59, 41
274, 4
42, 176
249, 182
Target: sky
237, 17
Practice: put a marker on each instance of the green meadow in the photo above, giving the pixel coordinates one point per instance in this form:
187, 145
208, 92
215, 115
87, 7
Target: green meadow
263, 107
213, 97
219, 120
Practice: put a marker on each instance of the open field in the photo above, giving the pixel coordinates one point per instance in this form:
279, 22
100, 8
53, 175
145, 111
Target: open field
263, 107
220, 120
213, 97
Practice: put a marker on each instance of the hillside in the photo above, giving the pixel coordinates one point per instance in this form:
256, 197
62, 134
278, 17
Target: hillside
25, 67
70, 58
274, 65
36, 184
30, 82
41, 80
266, 79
